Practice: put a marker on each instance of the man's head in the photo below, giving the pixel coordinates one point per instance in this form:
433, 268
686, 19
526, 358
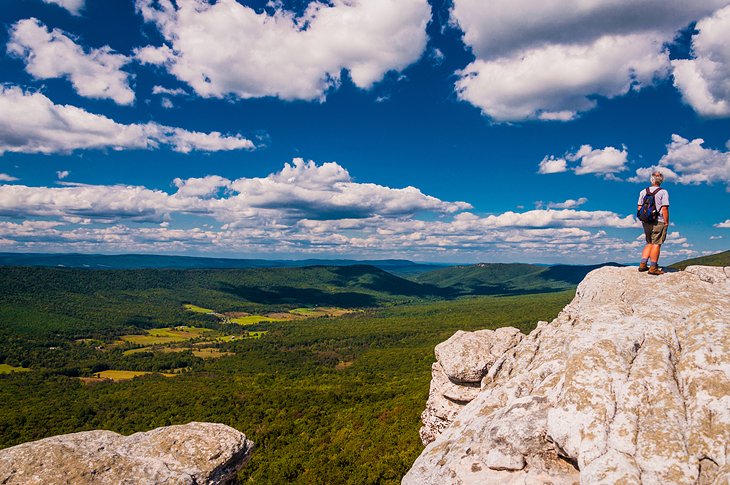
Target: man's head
657, 178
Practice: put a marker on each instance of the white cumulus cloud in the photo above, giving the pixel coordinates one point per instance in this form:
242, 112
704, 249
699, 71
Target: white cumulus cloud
704, 80
7, 178
552, 164
52, 54
607, 160
221, 48
73, 6
32, 123
586, 160
688, 162
723, 225
548, 60
555, 82
567, 204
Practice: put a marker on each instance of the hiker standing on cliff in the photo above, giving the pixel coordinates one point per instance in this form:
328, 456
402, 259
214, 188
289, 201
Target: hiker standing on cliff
653, 212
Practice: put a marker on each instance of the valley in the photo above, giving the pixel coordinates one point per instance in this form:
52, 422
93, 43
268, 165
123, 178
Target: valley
326, 369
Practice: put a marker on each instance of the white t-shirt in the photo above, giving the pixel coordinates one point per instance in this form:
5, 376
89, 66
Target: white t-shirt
661, 199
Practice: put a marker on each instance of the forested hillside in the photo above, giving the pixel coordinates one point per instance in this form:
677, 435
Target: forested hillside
719, 259
75, 302
507, 278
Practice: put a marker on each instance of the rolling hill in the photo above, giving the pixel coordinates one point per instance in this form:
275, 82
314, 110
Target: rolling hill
143, 261
719, 259
78, 301
507, 278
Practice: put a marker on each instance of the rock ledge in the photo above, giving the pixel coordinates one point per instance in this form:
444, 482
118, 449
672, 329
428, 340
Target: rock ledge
629, 384
194, 453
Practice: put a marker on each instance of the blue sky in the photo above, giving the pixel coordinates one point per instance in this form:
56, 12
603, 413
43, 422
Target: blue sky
458, 131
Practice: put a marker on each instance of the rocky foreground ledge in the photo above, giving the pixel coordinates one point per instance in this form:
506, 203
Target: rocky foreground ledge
629, 384
194, 453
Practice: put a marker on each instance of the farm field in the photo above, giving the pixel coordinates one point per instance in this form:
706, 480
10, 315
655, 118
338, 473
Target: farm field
244, 318
196, 309
253, 319
7, 369
160, 336
125, 375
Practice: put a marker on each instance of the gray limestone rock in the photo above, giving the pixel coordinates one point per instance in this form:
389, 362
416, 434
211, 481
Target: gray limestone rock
624, 386
194, 453
463, 360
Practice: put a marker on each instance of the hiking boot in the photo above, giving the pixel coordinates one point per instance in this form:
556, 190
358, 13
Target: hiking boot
655, 270
643, 267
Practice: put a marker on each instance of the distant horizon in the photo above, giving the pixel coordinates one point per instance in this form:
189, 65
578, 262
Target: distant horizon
427, 130
292, 259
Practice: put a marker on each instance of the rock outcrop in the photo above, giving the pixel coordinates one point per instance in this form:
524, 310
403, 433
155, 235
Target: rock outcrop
461, 362
194, 453
629, 384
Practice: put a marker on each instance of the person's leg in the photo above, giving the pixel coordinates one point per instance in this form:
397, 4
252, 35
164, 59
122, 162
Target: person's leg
655, 250
644, 265
646, 253
654, 260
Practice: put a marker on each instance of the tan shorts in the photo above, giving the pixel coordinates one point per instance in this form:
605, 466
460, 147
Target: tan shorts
655, 233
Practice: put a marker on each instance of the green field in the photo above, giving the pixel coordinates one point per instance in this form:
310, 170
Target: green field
125, 375
196, 309
320, 312
161, 336
7, 369
253, 319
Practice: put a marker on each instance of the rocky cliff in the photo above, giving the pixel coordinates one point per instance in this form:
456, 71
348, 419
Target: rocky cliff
195, 453
629, 384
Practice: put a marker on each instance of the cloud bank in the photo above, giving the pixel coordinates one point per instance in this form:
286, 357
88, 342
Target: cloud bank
303, 208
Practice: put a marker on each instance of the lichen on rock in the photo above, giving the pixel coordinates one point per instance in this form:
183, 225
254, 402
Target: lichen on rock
629, 384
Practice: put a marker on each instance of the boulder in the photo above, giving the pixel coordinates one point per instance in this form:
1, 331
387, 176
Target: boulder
629, 384
194, 453
462, 362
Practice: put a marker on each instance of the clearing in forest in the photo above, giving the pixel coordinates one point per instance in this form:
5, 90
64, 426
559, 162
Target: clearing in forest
197, 309
7, 369
159, 336
125, 375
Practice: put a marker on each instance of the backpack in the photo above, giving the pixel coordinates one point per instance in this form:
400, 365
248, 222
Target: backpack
648, 212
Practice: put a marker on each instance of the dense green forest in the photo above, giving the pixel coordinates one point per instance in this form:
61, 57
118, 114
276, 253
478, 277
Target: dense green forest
314, 419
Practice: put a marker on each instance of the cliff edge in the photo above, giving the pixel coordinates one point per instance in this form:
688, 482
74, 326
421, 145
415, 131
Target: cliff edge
629, 384
194, 453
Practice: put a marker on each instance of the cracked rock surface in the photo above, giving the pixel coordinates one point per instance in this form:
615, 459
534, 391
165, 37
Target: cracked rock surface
629, 384
194, 453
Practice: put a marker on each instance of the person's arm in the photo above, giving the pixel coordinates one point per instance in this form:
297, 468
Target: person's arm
665, 214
